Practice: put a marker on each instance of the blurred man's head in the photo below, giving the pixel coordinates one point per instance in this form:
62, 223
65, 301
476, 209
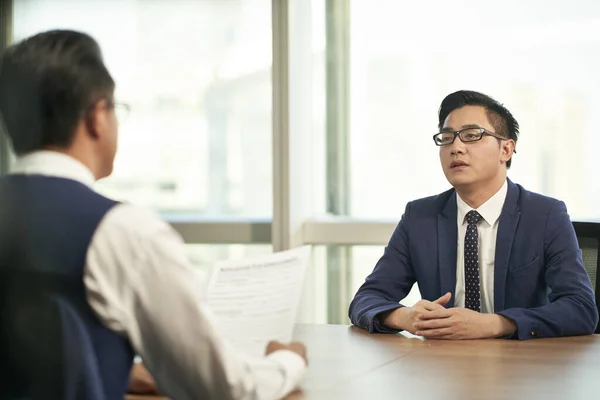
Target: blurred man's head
56, 94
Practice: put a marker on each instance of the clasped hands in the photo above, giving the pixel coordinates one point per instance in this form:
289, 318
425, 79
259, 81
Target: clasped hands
432, 320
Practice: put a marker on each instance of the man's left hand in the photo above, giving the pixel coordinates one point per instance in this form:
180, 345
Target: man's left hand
462, 323
141, 382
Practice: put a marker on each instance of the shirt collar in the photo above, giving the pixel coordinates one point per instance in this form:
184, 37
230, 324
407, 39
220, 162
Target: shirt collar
490, 210
52, 163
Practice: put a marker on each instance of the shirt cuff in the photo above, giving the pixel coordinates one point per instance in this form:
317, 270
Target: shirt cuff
293, 365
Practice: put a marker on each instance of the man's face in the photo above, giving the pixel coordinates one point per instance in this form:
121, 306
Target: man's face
113, 136
107, 129
465, 164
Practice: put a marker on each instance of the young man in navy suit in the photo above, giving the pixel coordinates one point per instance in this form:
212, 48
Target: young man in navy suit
491, 259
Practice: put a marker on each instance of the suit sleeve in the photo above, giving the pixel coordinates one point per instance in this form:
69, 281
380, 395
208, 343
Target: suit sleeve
572, 308
390, 281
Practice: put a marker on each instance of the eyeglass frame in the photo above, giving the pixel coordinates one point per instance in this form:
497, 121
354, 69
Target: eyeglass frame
458, 133
111, 104
118, 105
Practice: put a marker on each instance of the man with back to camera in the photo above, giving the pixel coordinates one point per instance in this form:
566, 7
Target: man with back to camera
124, 269
491, 259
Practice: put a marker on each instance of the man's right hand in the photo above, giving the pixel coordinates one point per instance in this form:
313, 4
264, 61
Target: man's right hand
296, 347
403, 318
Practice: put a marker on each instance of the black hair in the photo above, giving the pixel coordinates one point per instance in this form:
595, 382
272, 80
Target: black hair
47, 84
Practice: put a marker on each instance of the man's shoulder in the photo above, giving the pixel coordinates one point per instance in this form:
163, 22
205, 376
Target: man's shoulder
135, 221
431, 204
533, 202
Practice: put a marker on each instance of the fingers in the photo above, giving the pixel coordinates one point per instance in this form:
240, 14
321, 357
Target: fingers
299, 349
432, 324
296, 347
273, 346
422, 314
441, 333
432, 309
430, 306
437, 304
437, 314
444, 299
425, 306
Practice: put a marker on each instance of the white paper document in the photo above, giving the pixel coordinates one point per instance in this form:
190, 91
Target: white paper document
256, 300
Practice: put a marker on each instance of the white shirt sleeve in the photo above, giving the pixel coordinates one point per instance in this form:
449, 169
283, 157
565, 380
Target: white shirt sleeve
140, 284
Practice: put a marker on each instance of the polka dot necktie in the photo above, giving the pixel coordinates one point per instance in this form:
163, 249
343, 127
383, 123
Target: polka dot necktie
472, 291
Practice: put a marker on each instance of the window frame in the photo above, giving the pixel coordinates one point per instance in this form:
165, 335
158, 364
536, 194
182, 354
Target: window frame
6, 13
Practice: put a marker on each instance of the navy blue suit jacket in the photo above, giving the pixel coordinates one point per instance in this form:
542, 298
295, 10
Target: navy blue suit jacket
539, 279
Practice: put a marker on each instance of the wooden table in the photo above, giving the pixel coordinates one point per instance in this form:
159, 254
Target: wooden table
348, 363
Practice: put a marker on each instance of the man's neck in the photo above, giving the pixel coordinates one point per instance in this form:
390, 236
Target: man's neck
78, 154
476, 195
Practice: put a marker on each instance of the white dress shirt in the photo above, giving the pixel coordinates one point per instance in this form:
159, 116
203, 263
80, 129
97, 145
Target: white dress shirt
140, 285
488, 231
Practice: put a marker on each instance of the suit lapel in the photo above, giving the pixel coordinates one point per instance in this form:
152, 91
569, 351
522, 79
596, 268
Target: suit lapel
447, 242
509, 219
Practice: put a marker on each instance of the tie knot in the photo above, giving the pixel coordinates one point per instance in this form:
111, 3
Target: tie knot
473, 217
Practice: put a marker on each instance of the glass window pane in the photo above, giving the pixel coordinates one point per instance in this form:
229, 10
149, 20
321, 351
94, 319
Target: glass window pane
313, 303
540, 60
330, 284
197, 76
363, 261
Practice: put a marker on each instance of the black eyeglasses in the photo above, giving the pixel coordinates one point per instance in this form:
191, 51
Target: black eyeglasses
467, 135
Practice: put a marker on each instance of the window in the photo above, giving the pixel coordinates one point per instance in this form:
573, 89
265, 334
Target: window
540, 59
331, 282
197, 76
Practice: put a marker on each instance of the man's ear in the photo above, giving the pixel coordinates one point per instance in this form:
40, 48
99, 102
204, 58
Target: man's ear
508, 149
95, 119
